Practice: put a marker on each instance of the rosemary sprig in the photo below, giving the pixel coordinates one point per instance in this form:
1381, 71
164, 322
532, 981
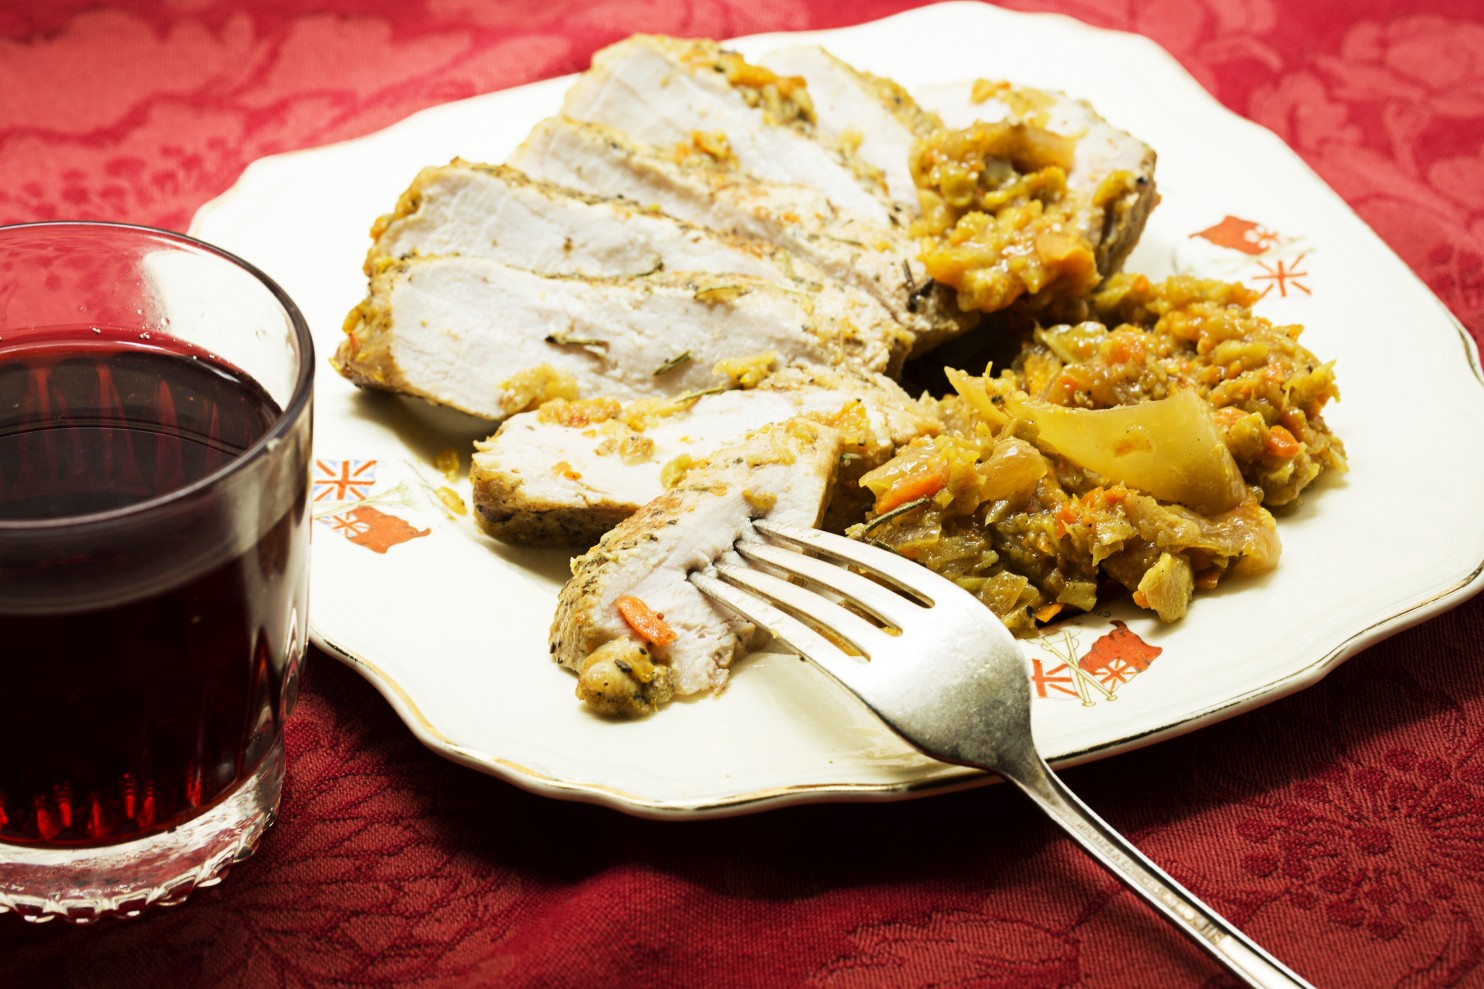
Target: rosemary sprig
566, 340
899, 510
691, 396
919, 293
915, 292
681, 358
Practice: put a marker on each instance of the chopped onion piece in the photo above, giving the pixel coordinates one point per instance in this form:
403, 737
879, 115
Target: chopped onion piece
973, 391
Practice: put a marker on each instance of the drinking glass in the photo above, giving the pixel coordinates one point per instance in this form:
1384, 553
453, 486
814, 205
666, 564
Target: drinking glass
155, 409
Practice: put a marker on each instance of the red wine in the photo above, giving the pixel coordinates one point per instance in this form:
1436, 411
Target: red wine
128, 718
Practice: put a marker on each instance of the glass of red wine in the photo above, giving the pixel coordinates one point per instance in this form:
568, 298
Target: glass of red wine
155, 407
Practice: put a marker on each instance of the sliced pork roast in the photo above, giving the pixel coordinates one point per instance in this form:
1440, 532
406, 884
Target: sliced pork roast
492, 340
876, 117
569, 471
694, 95
497, 212
629, 623
879, 259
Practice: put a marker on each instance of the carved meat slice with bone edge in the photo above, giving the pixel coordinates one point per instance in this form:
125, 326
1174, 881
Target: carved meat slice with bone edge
567, 474
672, 92
1112, 172
875, 257
629, 665
875, 116
491, 340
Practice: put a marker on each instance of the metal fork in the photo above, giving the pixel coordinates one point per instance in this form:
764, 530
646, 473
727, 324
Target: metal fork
953, 684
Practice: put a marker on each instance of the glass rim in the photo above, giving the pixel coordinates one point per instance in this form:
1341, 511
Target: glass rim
283, 424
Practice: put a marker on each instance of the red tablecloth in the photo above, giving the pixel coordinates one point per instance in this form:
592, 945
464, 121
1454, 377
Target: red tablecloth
1342, 827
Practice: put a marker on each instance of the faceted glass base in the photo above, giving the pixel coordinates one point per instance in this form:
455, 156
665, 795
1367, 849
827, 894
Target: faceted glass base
83, 884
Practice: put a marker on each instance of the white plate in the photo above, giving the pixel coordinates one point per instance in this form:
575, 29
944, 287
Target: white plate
451, 626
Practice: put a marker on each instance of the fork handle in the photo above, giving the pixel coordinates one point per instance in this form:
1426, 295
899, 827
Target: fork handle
1228, 945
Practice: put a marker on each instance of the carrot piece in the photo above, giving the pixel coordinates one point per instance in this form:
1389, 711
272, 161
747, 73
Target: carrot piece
1228, 415
1065, 386
912, 488
640, 617
1281, 443
1065, 517
1047, 612
1125, 349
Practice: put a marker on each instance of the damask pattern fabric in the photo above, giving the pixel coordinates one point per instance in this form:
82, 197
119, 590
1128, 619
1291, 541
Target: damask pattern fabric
1343, 827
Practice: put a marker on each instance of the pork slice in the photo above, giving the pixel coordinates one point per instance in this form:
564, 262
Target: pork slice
491, 340
497, 212
603, 161
779, 472
691, 94
873, 114
556, 478
879, 259
570, 472
1112, 171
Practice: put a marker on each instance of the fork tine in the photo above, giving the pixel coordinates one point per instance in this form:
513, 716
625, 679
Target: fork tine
784, 627
912, 578
884, 603
808, 605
